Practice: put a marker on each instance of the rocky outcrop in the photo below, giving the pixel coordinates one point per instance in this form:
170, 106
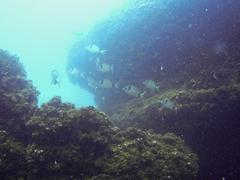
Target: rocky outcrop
58, 141
18, 98
207, 119
191, 51
172, 43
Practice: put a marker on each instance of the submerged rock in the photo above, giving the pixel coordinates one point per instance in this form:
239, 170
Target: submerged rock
12, 157
18, 98
82, 143
171, 43
68, 141
207, 119
62, 142
146, 155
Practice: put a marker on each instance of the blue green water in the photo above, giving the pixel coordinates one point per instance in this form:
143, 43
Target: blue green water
41, 34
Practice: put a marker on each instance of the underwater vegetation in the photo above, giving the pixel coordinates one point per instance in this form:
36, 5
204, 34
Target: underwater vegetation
186, 104
207, 119
58, 141
175, 69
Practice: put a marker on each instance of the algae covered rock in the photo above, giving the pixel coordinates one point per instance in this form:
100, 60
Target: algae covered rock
18, 96
179, 110
58, 141
207, 119
12, 157
68, 141
145, 155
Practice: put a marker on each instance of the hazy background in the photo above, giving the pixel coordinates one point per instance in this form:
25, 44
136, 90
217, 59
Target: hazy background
41, 33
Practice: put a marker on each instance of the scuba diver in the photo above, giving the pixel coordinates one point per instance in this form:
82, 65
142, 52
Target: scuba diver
55, 77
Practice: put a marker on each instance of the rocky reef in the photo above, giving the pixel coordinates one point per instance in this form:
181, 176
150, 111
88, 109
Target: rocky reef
134, 157
207, 119
172, 43
58, 141
190, 50
18, 98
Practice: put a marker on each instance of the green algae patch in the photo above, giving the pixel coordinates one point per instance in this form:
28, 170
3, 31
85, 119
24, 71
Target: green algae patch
145, 155
68, 141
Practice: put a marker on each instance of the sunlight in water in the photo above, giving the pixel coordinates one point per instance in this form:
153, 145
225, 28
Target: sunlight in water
41, 34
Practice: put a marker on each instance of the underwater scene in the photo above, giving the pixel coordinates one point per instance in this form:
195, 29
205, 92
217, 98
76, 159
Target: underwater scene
120, 90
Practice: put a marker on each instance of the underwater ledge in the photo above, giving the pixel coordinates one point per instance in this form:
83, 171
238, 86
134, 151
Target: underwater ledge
207, 119
58, 141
